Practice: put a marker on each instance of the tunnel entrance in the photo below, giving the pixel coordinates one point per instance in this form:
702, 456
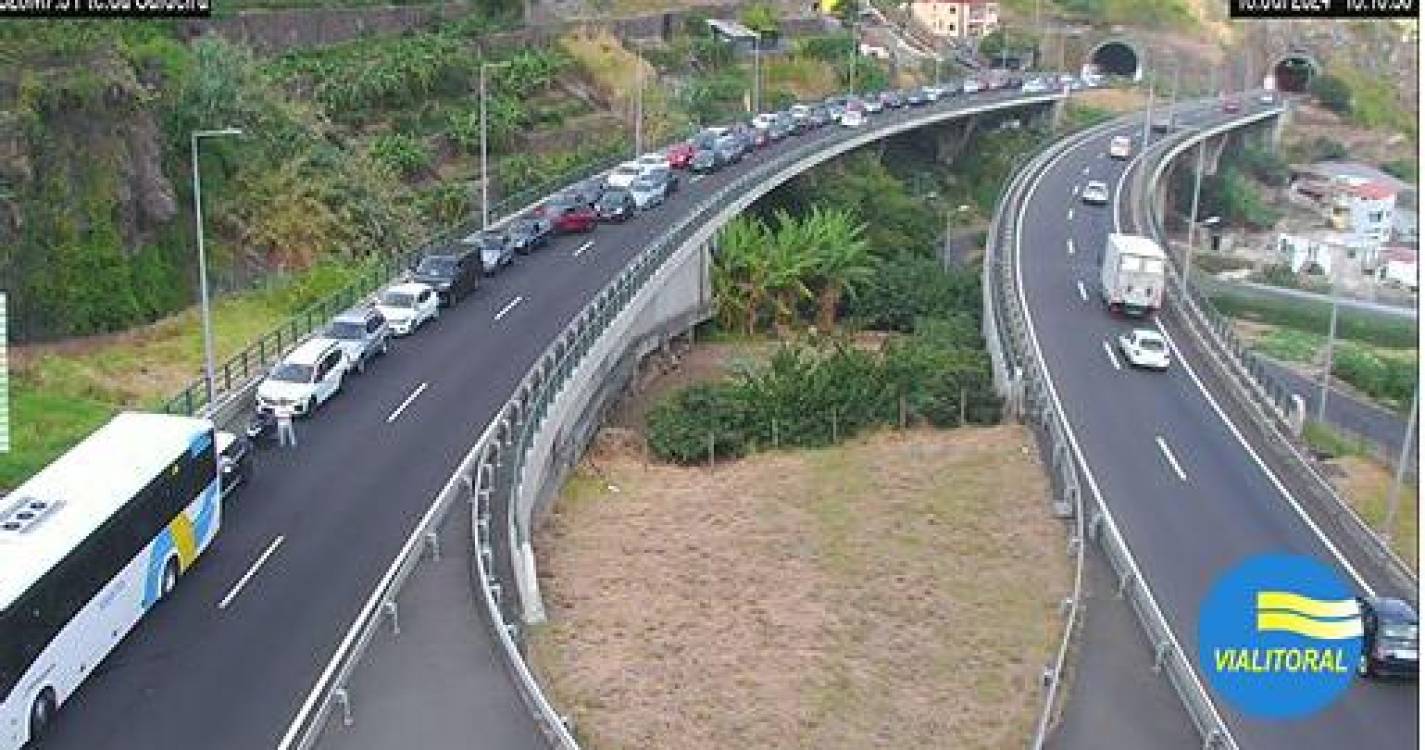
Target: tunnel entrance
1115, 59
1294, 73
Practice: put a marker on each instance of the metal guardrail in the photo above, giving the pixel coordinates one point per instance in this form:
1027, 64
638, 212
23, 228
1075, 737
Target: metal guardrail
1267, 403
241, 369
488, 476
1031, 391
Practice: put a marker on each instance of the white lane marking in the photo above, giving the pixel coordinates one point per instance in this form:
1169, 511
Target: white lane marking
583, 247
507, 308
1168, 454
1113, 358
1086, 169
1074, 441
252, 571
1071, 214
1083, 293
397, 413
695, 179
1074, 192
1070, 243
1271, 476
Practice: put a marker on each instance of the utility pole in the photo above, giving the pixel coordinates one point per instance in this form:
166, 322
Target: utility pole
757, 74
638, 105
1330, 347
209, 366
1392, 505
484, 145
1148, 117
1192, 214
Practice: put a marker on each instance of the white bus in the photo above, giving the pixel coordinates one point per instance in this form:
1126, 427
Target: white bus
87, 546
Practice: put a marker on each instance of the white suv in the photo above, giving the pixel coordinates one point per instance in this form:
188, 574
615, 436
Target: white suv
624, 174
304, 379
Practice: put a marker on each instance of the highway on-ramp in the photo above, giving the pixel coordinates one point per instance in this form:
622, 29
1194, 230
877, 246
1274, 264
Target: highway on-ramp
229, 658
1188, 495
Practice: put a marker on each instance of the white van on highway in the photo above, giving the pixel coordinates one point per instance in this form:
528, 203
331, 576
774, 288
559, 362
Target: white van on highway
1121, 147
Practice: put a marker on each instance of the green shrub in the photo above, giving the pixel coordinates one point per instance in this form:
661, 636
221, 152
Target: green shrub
1265, 166
1386, 378
1215, 263
909, 287
833, 48
1404, 168
1327, 441
404, 154
679, 426
1332, 92
1391, 333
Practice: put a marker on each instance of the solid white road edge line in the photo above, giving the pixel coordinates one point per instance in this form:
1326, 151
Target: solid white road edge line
1074, 441
1232, 428
1168, 454
397, 413
580, 250
1271, 475
252, 571
1083, 293
1111, 356
508, 307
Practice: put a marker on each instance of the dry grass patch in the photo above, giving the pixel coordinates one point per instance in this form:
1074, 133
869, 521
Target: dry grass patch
1112, 99
897, 591
1366, 486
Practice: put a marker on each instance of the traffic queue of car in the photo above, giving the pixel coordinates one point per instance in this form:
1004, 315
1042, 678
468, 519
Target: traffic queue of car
313, 373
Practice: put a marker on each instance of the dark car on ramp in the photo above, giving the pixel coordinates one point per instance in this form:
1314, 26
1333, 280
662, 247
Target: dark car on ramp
1391, 638
529, 233
453, 274
615, 205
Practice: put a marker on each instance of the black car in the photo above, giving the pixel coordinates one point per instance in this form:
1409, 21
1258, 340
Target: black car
493, 250
529, 233
704, 161
892, 100
615, 205
820, 116
1391, 638
234, 461
665, 177
452, 274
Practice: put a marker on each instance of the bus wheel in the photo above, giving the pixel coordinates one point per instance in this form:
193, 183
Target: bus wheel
170, 578
42, 713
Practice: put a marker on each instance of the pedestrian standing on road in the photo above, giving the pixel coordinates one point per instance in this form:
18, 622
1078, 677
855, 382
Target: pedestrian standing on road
286, 435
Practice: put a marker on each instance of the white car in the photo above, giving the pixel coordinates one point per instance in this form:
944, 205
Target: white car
304, 379
624, 175
852, 119
407, 306
872, 104
971, 86
1095, 192
1144, 347
647, 192
649, 162
934, 93
1033, 86
1121, 147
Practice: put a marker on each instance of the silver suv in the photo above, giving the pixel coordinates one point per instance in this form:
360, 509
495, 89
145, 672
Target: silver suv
362, 334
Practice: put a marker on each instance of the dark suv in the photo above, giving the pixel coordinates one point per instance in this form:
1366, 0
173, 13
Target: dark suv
452, 275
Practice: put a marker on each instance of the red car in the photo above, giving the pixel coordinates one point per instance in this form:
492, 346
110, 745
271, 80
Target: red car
569, 219
680, 155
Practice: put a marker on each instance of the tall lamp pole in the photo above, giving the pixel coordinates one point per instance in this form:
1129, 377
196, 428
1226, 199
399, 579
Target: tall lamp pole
638, 106
1392, 505
1330, 347
851, 67
484, 145
757, 73
208, 365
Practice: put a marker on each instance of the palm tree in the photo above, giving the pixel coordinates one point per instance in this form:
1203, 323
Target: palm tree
840, 262
741, 270
789, 255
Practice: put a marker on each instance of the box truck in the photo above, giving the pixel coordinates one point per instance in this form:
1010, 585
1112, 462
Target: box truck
1132, 274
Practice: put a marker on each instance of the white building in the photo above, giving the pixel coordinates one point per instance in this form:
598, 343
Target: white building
1399, 266
1365, 209
956, 19
1319, 251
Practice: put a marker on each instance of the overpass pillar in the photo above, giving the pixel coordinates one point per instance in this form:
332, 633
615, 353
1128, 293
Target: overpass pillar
1213, 153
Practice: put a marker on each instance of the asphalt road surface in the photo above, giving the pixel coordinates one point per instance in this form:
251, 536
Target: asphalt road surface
196, 674
1190, 500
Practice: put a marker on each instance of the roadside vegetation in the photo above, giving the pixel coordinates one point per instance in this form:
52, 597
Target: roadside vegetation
899, 560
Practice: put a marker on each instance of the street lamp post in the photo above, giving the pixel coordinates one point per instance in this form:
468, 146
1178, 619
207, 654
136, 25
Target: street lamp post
484, 145
851, 66
757, 74
638, 106
1330, 349
1392, 505
207, 314
1148, 117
